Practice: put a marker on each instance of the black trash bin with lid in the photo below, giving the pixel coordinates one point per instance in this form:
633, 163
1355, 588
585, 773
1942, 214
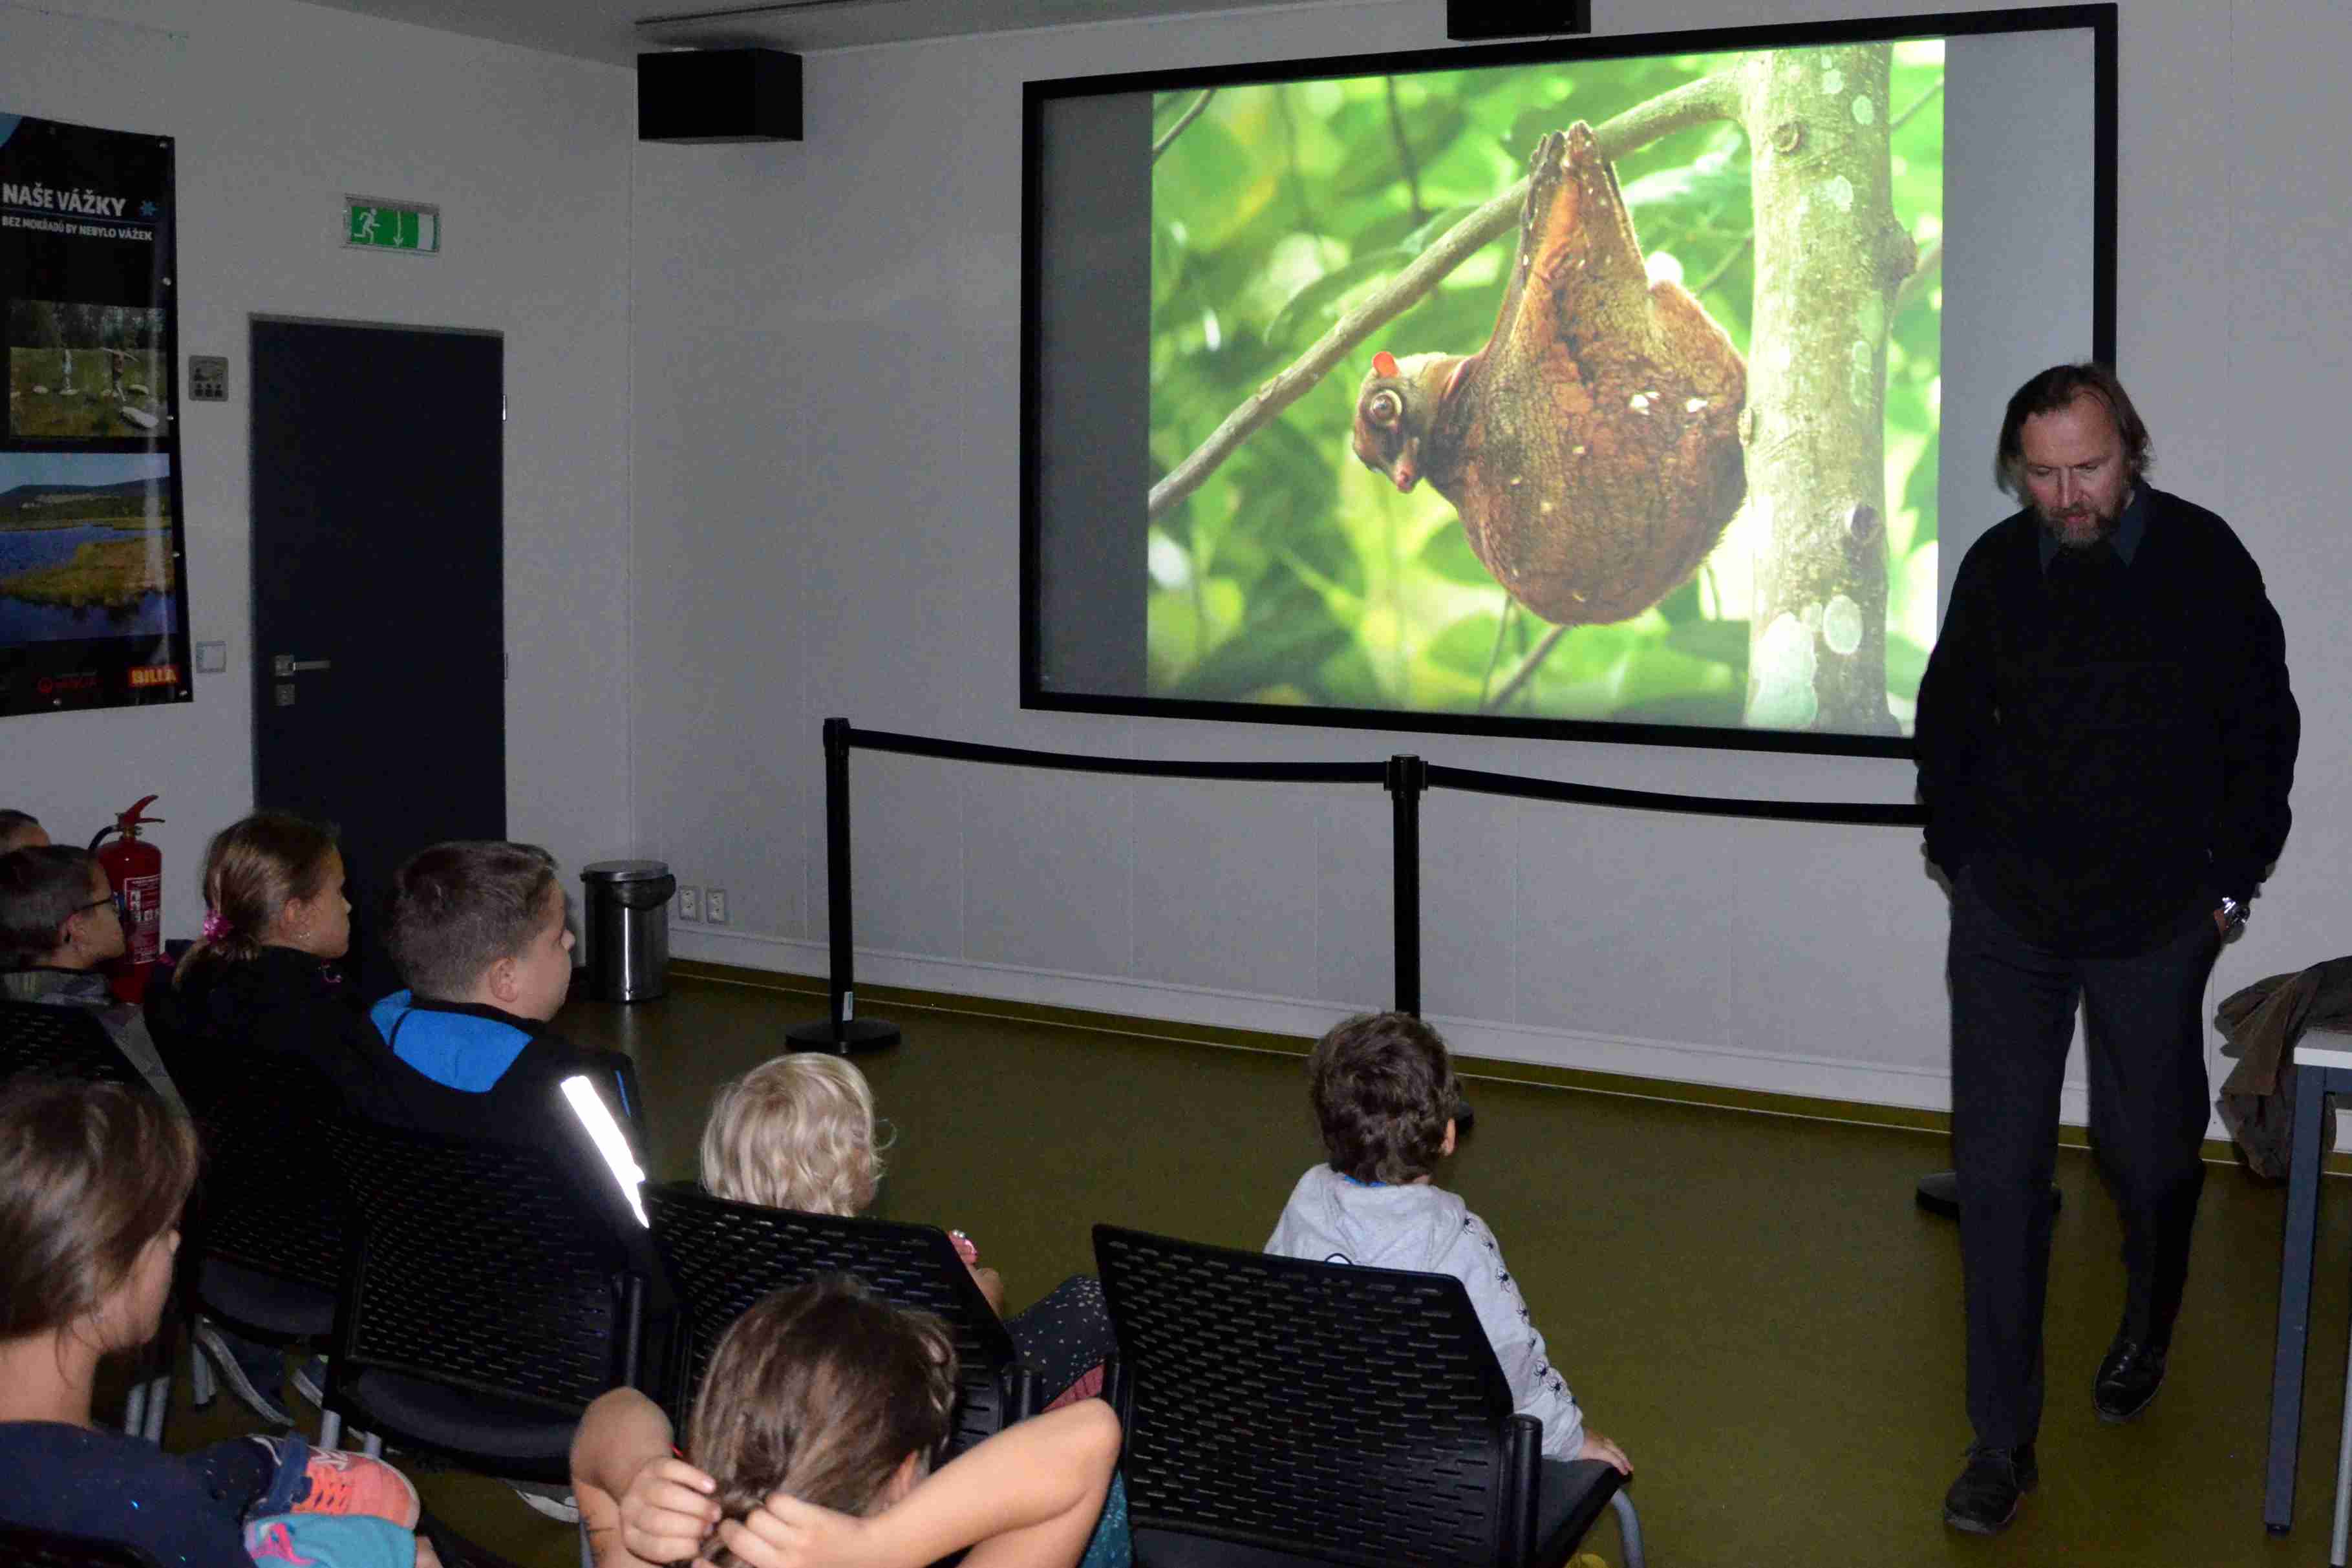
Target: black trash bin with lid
627, 922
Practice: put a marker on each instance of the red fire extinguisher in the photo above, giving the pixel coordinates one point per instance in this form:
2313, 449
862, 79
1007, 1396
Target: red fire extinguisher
135, 868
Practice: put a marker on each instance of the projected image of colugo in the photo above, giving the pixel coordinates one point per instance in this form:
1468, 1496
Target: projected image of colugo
1639, 417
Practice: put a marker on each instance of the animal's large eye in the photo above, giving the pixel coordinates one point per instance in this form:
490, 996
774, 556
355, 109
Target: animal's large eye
1384, 408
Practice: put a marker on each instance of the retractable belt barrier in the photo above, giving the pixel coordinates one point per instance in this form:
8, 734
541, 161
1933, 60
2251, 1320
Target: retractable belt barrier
1405, 779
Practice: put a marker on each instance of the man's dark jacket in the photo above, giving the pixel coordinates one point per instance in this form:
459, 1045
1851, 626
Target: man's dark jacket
2106, 746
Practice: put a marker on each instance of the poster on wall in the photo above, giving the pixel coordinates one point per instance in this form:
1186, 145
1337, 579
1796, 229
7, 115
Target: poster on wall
93, 601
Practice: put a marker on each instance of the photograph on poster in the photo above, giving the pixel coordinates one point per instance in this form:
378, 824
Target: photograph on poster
85, 546
84, 370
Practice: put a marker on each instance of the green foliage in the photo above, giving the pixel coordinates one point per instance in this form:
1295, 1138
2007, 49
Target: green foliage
1294, 574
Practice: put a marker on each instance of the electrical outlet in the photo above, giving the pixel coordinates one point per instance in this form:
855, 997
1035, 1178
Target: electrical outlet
689, 903
714, 904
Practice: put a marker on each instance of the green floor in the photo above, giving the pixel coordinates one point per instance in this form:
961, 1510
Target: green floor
1748, 1302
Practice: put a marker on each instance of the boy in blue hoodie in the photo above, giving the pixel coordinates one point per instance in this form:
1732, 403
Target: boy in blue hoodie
478, 931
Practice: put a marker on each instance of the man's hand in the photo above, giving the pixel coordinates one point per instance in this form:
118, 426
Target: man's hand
1597, 1446
668, 1512
785, 1532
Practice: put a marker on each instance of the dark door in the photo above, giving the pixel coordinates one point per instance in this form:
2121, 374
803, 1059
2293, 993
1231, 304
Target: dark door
378, 607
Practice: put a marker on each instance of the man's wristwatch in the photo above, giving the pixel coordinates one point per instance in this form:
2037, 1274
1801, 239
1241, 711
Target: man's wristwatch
2233, 915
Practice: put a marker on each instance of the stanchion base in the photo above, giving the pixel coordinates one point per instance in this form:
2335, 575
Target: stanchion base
852, 1039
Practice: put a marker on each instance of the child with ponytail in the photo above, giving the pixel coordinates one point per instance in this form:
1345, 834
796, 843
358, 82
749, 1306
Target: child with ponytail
263, 983
264, 978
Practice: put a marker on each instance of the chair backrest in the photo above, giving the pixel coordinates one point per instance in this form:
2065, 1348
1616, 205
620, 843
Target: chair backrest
503, 1270
270, 1197
60, 1042
1353, 1415
23, 1547
723, 1257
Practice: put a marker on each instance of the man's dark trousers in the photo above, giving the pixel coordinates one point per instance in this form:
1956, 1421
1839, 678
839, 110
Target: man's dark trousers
2013, 1006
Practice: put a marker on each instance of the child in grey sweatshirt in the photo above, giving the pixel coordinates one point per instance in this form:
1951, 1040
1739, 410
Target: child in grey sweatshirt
1384, 1095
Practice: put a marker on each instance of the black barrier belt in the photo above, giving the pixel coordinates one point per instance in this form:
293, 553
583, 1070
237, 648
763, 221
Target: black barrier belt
1073, 762
1405, 779
1834, 811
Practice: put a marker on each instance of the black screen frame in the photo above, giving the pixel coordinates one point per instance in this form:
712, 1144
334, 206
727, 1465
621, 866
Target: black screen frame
2099, 19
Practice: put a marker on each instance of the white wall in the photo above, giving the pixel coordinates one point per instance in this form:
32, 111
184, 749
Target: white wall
279, 110
827, 461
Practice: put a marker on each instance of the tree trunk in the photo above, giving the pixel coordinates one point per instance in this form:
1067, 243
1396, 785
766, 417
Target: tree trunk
1828, 257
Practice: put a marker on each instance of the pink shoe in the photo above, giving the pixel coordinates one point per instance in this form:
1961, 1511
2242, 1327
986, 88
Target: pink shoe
344, 1483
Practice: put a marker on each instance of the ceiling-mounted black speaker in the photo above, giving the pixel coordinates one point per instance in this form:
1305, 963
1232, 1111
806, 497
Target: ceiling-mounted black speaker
1471, 21
718, 95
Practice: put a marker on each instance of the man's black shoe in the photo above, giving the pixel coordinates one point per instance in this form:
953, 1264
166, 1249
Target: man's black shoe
1984, 1499
1939, 1192
2128, 1378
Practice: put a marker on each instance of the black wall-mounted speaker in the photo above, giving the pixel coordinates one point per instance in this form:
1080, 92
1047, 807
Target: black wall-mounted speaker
718, 95
1470, 21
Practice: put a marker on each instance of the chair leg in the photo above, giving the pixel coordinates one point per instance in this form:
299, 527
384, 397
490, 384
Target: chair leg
1629, 1527
372, 1445
587, 1558
134, 1411
159, 1405
2313, 1086
2343, 1474
202, 1384
330, 1429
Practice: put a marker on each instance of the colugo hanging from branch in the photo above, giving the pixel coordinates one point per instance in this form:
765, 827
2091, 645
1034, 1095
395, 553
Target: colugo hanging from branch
1592, 446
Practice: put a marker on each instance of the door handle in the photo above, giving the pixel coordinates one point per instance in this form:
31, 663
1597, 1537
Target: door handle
287, 664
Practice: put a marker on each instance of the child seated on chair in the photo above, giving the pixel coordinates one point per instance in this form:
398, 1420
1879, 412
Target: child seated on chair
798, 1133
478, 929
262, 986
264, 977
1383, 1087
92, 1180
812, 1441
58, 924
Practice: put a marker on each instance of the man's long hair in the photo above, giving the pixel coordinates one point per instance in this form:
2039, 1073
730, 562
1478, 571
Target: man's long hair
2057, 388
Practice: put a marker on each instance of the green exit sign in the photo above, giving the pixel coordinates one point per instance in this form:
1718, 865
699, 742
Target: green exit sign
371, 225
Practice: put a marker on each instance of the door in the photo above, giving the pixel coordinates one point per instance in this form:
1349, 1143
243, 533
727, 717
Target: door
378, 600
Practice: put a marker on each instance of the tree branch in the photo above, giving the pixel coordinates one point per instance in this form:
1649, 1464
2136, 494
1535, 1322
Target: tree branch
1724, 266
1694, 103
1190, 114
1916, 105
1527, 670
1931, 262
1404, 153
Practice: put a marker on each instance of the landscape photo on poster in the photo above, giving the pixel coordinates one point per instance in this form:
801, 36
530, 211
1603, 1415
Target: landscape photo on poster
86, 547
1530, 492
77, 369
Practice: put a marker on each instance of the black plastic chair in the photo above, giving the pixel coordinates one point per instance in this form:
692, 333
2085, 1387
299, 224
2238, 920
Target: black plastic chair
493, 1290
70, 1042
60, 1042
723, 1257
268, 1228
1281, 1412
23, 1547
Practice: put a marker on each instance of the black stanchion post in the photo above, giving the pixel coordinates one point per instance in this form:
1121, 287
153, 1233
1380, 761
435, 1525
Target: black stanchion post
1407, 778
844, 1033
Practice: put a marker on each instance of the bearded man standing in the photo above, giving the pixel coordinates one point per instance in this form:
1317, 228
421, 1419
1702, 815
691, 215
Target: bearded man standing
2105, 741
